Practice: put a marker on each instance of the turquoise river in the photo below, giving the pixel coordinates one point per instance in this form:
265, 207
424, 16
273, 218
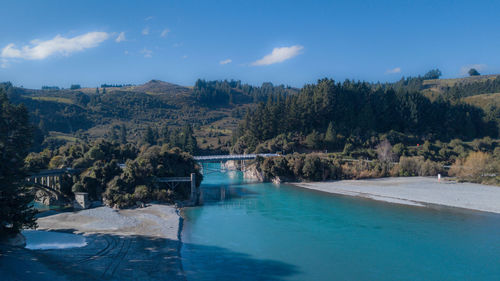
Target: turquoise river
261, 231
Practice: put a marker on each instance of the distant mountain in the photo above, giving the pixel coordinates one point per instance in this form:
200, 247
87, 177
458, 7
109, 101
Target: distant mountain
159, 87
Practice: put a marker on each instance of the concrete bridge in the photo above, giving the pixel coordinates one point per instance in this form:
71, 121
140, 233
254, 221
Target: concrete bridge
228, 157
47, 187
50, 178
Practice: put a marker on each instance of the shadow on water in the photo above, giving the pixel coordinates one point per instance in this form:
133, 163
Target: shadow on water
217, 193
215, 263
114, 257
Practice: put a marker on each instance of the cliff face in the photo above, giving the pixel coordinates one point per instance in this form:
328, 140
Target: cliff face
231, 165
251, 172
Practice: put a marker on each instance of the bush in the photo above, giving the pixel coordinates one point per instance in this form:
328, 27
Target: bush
417, 166
364, 169
141, 193
477, 167
56, 162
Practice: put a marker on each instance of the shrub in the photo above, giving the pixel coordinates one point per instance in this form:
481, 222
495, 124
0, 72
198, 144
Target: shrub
477, 167
141, 192
417, 166
56, 162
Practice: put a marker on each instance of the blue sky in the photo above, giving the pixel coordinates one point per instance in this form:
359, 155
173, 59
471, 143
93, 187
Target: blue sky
284, 42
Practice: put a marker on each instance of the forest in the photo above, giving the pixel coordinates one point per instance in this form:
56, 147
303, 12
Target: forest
331, 113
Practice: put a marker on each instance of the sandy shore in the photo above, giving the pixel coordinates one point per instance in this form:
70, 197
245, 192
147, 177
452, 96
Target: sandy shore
135, 244
153, 221
417, 191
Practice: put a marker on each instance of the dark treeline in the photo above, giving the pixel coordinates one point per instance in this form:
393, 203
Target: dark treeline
462, 90
115, 85
410, 84
358, 108
182, 138
233, 92
50, 88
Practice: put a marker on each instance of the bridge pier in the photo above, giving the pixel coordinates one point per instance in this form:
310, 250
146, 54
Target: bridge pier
195, 193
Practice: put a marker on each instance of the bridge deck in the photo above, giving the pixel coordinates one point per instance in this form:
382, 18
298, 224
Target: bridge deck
209, 158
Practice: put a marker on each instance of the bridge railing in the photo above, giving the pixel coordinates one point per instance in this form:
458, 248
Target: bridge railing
233, 156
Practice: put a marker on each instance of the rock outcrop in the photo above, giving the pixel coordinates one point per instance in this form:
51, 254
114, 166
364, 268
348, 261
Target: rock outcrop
251, 172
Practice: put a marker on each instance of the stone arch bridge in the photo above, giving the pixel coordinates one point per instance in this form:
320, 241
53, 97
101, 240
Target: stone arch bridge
47, 185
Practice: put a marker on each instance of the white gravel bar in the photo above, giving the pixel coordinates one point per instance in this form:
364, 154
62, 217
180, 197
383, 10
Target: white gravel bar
416, 191
154, 221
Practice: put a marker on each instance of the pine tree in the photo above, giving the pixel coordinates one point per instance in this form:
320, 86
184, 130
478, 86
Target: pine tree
330, 136
123, 134
149, 137
15, 141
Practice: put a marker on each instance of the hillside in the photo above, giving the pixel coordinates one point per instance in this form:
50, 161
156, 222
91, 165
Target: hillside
213, 108
160, 87
484, 101
434, 88
90, 113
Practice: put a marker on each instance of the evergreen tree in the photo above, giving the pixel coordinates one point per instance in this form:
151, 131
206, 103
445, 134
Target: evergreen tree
330, 136
123, 134
474, 72
15, 141
149, 137
113, 136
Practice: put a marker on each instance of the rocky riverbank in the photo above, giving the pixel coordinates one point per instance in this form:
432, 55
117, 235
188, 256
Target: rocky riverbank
416, 191
251, 172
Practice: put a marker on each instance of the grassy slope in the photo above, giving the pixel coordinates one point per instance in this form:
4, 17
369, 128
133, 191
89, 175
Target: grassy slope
433, 88
484, 101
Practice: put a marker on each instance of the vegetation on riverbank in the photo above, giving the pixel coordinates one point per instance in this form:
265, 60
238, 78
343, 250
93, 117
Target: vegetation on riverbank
100, 175
470, 162
321, 167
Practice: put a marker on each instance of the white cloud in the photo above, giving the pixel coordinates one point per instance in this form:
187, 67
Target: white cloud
121, 37
38, 50
394, 70
279, 55
177, 45
145, 31
225, 61
125, 52
184, 57
165, 32
149, 18
147, 53
464, 70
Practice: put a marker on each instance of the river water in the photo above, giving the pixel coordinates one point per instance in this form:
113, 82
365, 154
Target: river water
262, 231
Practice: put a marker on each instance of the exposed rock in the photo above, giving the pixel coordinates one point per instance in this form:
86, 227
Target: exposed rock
45, 198
231, 165
276, 180
251, 172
